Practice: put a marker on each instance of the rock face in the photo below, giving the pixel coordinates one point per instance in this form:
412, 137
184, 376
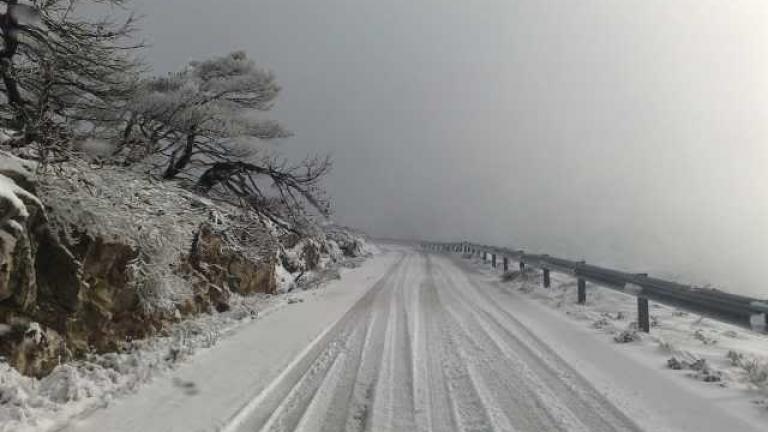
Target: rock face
351, 245
23, 235
222, 270
66, 291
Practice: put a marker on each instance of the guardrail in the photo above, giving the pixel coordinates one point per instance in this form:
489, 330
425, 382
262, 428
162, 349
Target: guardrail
735, 309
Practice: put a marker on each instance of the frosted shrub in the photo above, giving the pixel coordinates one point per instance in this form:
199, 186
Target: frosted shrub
626, 336
757, 373
701, 369
755, 370
152, 274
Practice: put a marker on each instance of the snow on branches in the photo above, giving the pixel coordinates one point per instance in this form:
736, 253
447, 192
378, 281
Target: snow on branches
203, 124
203, 114
57, 68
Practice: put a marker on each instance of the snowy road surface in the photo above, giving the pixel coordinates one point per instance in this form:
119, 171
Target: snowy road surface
412, 342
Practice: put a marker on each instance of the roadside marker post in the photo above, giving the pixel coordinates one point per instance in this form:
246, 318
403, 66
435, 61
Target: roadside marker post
643, 317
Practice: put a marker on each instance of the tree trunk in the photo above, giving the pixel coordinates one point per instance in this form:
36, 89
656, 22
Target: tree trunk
10, 47
216, 174
175, 166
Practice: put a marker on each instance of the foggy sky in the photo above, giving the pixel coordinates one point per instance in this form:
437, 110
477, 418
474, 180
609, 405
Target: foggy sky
628, 133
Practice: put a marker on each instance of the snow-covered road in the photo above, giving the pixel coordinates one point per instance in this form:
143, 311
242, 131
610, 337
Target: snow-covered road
409, 342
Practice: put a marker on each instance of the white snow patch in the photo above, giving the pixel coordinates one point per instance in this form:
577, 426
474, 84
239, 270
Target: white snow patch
284, 279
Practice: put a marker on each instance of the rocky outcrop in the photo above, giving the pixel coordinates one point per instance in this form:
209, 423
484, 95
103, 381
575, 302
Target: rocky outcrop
350, 242
68, 289
92, 258
222, 269
58, 300
24, 233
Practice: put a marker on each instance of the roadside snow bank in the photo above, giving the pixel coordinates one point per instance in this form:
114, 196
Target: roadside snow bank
701, 348
29, 404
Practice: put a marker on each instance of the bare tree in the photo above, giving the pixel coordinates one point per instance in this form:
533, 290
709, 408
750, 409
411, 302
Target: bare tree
281, 192
58, 67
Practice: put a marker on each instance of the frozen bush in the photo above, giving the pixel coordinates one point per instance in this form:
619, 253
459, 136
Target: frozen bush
706, 340
626, 336
700, 367
755, 371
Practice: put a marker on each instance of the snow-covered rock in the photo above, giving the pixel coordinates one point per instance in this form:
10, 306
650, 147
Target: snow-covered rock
115, 256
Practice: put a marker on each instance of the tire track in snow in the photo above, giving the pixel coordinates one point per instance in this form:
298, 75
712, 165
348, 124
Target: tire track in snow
360, 397
281, 400
429, 350
517, 396
438, 410
468, 409
420, 349
342, 413
393, 408
565, 387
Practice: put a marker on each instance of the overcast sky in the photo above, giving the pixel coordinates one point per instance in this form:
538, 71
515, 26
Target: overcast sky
627, 133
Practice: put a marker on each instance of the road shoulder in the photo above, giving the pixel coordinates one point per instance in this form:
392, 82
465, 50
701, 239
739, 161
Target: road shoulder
214, 385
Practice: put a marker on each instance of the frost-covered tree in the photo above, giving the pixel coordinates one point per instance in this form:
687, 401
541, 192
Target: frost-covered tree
57, 67
204, 123
203, 114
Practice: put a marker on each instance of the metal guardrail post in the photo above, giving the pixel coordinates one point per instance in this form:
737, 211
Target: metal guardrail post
506, 264
545, 276
643, 317
582, 291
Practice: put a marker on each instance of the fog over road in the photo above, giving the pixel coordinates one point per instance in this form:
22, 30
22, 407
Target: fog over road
414, 341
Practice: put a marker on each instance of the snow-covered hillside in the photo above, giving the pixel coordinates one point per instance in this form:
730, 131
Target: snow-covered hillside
148, 272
